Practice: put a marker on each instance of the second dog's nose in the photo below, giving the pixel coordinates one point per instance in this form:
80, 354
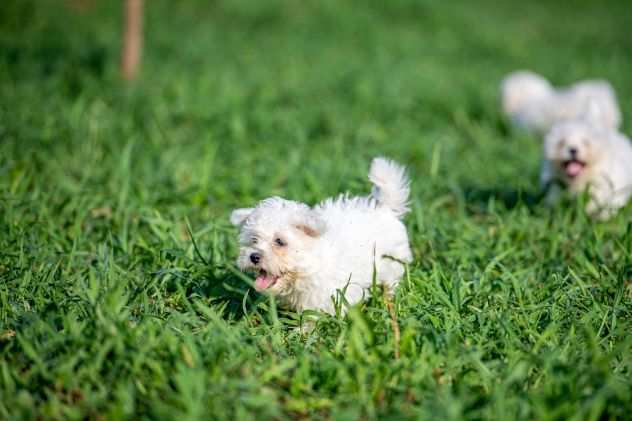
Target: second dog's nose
255, 257
573, 151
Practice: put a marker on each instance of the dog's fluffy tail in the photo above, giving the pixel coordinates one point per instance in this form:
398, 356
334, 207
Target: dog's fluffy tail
391, 186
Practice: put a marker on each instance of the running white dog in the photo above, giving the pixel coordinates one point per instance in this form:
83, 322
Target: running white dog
532, 103
579, 156
305, 255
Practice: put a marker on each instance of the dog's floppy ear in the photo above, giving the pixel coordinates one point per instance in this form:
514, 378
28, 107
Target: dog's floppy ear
593, 113
239, 216
310, 224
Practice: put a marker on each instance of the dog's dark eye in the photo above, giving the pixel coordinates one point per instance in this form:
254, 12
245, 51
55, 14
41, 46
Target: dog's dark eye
253, 240
279, 242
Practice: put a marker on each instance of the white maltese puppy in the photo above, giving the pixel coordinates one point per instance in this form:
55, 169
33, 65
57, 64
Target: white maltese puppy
533, 104
579, 157
305, 255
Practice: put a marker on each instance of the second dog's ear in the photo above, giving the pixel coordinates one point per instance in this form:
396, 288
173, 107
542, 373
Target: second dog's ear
593, 113
239, 216
310, 224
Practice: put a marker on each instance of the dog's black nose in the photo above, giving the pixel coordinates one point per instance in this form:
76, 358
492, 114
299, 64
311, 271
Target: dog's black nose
255, 257
573, 152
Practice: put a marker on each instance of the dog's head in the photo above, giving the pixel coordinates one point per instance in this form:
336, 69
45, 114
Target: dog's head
574, 148
521, 88
277, 239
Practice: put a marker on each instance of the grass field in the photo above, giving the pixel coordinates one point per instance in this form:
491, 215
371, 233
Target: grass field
119, 298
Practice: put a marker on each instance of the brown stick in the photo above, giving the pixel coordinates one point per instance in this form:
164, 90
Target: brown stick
394, 323
132, 39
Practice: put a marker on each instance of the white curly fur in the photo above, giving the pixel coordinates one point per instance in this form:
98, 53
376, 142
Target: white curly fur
579, 156
532, 103
306, 254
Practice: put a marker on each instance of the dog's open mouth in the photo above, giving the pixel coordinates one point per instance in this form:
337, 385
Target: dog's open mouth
265, 280
573, 167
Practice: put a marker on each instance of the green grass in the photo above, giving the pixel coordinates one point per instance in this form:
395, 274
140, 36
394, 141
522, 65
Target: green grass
118, 292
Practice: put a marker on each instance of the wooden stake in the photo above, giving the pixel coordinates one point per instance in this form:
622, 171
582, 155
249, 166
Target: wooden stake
132, 39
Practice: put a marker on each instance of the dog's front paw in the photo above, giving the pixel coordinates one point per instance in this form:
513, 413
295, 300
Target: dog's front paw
599, 211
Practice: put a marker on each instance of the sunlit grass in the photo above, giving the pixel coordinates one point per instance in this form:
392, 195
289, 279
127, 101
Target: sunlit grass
118, 292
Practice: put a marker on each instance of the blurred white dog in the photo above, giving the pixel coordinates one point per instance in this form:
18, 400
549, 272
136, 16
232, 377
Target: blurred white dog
532, 103
304, 255
579, 156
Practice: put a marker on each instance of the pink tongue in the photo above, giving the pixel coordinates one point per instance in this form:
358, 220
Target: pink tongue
574, 168
263, 282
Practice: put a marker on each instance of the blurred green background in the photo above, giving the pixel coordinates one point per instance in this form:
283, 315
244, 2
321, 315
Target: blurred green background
109, 310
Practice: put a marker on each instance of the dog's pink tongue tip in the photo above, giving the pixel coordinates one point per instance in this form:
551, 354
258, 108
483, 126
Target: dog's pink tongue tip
574, 168
262, 282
